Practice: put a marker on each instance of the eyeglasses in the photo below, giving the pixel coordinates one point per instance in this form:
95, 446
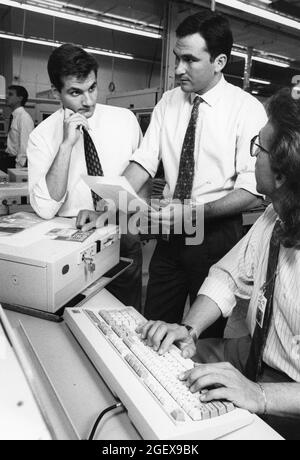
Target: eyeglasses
255, 147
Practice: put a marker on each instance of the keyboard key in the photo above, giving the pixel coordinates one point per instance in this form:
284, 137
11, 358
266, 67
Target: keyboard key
159, 374
92, 316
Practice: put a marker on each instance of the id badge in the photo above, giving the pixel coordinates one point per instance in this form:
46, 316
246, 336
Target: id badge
261, 309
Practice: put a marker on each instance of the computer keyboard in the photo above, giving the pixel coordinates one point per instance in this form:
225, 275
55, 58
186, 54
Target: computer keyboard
159, 404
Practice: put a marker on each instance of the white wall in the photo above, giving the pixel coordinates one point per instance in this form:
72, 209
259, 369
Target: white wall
31, 70
128, 75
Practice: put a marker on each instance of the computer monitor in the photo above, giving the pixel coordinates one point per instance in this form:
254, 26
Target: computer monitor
21, 417
143, 117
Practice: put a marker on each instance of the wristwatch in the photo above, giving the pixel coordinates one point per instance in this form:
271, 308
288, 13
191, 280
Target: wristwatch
192, 332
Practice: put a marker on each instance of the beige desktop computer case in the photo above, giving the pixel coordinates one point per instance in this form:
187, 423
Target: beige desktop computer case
46, 274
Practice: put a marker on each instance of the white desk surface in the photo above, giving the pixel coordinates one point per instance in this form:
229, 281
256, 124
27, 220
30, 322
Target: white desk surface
82, 391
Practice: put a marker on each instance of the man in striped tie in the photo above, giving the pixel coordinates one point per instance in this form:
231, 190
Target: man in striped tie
259, 372
83, 137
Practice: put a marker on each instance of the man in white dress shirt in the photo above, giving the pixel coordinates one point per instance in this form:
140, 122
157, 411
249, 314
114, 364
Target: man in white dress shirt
20, 127
57, 153
201, 131
226, 372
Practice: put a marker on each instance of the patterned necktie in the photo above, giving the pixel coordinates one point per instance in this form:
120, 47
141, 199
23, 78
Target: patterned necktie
254, 364
184, 186
93, 164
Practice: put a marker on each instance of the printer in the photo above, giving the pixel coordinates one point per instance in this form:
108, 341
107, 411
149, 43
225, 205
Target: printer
43, 271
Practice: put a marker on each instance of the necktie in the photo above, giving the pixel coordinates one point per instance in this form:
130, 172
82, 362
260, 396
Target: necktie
184, 185
259, 339
93, 164
10, 122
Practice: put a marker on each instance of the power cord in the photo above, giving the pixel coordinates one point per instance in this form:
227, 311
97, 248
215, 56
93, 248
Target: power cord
104, 412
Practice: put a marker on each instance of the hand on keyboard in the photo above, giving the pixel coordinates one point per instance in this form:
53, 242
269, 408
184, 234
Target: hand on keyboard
152, 386
161, 336
222, 381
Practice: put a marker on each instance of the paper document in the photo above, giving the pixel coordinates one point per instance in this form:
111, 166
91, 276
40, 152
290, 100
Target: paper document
112, 188
18, 222
69, 234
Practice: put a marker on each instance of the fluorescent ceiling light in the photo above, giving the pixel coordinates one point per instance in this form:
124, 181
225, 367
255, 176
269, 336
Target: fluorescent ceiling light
253, 80
261, 12
271, 61
239, 54
262, 82
53, 44
109, 53
265, 60
80, 18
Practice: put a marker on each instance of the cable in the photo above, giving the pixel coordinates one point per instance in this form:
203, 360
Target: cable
109, 409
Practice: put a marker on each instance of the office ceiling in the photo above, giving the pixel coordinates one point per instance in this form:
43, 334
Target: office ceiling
149, 14
146, 11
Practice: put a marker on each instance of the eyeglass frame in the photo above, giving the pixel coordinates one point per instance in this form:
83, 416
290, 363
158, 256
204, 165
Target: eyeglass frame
253, 144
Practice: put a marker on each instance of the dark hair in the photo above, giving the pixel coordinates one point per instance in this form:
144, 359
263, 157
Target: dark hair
20, 92
284, 114
213, 27
70, 60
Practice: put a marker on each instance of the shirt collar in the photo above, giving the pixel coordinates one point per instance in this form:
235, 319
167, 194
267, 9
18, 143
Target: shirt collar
212, 96
92, 122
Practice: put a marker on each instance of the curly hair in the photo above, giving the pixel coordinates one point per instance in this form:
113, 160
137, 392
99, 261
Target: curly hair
284, 114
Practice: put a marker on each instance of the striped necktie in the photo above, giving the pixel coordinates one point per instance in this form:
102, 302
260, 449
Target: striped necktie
185, 181
93, 164
254, 366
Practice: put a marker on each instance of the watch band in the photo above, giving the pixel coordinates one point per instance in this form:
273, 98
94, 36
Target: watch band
192, 332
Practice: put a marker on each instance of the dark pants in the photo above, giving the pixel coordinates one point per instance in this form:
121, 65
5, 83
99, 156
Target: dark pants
7, 161
236, 352
128, 287
177, 270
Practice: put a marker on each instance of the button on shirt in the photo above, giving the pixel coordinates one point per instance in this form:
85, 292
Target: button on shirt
18, 135
242, 273
228, 119
116, 135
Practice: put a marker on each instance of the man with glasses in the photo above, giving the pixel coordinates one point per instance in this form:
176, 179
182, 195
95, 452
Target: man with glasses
260, 372
255, 147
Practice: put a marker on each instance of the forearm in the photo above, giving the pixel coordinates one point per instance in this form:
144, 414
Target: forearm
233, 203
136, 175
57, 176
282, 399
203, 313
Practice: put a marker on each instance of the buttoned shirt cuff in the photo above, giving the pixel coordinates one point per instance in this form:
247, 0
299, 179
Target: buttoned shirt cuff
217, 291
151, 170
246, 181
41, 201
